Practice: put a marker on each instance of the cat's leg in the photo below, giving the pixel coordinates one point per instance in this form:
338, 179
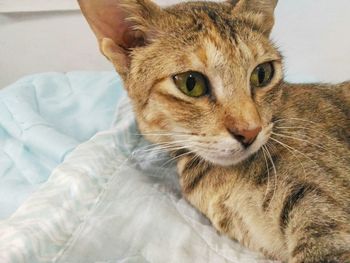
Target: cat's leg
309, 248
319, 251
315, 228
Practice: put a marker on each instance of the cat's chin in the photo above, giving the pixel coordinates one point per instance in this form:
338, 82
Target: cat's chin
228, 159
224, 161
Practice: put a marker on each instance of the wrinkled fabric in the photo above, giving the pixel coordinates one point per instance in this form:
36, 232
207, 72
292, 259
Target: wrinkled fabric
113, 200
42, 118
110, 199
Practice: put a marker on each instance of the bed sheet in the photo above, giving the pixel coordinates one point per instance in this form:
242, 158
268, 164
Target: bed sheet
110, 199
113, 200
42, 118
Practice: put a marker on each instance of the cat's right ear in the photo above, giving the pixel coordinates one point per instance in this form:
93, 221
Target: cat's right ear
120, 26
263, 8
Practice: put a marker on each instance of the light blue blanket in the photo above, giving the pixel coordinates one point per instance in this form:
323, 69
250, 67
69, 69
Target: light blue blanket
42, 118
110, 200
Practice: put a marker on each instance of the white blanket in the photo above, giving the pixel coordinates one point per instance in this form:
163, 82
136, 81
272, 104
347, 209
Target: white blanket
114, 201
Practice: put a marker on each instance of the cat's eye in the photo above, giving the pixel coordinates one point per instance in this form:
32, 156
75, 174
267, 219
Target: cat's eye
191, 83
262, 75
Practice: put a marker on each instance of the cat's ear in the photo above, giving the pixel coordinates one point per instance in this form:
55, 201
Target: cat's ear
264, 9
120, 26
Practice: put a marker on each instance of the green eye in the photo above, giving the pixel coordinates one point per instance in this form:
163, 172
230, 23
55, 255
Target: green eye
262, 75
191, 83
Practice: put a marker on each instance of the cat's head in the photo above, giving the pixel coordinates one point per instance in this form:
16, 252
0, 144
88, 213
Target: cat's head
202, 76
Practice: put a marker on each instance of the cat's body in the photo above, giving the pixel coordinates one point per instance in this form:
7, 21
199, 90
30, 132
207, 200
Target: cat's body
267, 162
278, 211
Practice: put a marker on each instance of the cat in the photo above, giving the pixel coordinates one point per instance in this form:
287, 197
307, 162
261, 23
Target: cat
268, 162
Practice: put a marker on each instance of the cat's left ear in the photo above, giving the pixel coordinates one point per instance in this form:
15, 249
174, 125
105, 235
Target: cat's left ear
263, 10
120, 26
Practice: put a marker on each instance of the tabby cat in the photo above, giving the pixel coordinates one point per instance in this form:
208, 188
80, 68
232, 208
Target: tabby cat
266, 161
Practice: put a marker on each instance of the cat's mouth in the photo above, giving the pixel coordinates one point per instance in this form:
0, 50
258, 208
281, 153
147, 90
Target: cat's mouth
229, 152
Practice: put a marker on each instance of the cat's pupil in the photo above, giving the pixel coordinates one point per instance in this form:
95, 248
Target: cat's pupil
191, 83
261, 75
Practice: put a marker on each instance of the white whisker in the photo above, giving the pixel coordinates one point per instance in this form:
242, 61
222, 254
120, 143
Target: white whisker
268, 171
309, 129
275, 172
300, 162
292, 149
296, 119
177, 157
306, 141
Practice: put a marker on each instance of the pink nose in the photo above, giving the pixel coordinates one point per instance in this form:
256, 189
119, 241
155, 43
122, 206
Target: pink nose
246, 137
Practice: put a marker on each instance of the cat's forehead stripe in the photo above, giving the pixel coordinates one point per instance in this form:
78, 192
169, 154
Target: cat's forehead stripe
209, 14
202, 55
215, 57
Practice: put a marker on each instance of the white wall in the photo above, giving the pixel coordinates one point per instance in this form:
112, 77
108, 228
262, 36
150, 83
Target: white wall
11, 6
314, 38
313, 35
52, 41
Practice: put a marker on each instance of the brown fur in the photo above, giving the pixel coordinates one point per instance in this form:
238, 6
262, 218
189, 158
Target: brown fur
290, 197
